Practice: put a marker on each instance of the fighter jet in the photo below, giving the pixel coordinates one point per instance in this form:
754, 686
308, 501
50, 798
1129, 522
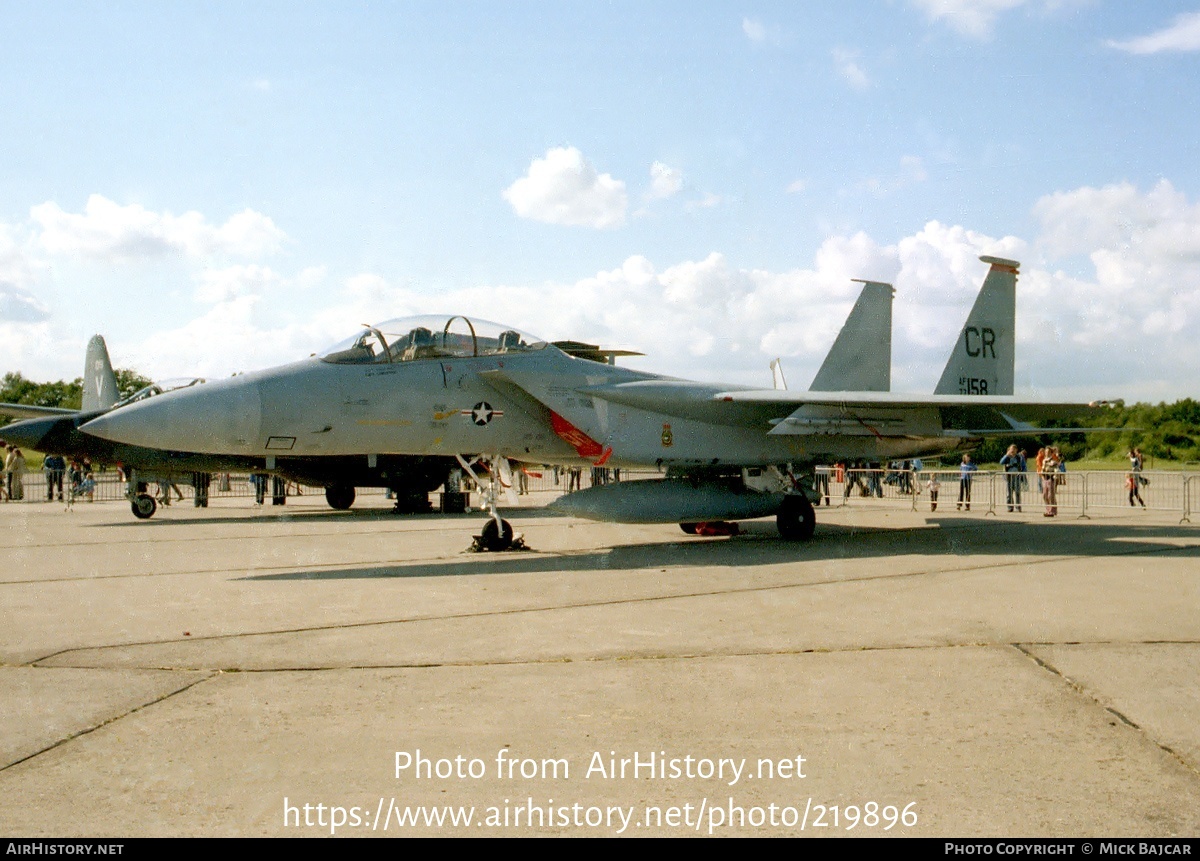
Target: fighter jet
454, 386
59, 431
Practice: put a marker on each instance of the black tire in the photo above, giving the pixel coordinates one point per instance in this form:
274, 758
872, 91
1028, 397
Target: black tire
689, 528
339, 496
410, 501
496, 538
143, 506
796, 519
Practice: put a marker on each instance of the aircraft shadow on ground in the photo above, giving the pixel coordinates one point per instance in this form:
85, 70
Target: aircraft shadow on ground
281, 515
759, 546
269, 513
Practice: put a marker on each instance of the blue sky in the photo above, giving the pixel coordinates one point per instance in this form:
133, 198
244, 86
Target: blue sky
222, 186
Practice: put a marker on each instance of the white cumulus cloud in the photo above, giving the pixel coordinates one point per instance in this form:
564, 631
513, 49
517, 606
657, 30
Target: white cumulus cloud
849, 68
754, 29
109, 231
19, 276
1160, 223
969, 17
664, 181
223, 285
564, 188
1182, 35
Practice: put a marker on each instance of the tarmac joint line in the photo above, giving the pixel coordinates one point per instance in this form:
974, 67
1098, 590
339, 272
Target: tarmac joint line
1084, 692
207, 675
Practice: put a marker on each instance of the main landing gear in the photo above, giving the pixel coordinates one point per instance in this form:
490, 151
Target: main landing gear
143, 506
339, 496
141, 503
796, 519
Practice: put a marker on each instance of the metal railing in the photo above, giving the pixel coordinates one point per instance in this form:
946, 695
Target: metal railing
109, 487
1074, 493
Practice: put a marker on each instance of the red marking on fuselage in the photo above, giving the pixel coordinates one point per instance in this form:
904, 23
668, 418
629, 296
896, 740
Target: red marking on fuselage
580, 441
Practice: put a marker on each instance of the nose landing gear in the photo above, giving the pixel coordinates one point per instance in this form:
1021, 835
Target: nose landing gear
497, 534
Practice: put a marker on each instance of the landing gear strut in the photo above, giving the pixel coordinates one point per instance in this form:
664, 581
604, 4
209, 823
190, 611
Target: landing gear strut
497, 533
141, 503
796, 519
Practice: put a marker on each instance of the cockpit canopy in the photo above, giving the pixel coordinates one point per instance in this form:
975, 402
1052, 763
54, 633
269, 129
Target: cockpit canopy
411, 339
159, 388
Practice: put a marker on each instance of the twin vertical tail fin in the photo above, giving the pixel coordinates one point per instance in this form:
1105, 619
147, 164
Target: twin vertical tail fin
99, 381
860, 359
984, 354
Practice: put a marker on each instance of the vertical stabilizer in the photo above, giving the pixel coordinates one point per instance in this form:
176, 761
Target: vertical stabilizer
984, 354
860, 360
99, 381
777, 377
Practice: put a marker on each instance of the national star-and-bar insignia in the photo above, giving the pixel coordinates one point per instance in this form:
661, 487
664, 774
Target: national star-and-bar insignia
482, 413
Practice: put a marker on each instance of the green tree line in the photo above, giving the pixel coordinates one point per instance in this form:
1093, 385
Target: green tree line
17, 389
1165, 432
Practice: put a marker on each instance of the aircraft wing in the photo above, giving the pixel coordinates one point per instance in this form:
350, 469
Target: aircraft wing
824, 412
1007, 403
30, 411
815, 412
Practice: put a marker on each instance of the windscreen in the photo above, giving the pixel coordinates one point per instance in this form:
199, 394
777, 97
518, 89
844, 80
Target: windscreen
411, 339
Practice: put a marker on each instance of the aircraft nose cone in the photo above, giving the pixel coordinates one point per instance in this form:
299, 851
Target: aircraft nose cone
214, 418
29, 433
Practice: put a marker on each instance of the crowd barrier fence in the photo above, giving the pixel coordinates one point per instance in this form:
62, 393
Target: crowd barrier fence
1077, 493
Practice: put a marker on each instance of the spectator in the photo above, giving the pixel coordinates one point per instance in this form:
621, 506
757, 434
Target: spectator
934, 486
14, 467
259, 481
964, 481
54, 467
8, 450
821, 484
1131, 484
1049, 479
1014, 466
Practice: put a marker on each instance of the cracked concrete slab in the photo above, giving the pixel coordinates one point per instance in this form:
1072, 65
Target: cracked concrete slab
1154, 685
39, 710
